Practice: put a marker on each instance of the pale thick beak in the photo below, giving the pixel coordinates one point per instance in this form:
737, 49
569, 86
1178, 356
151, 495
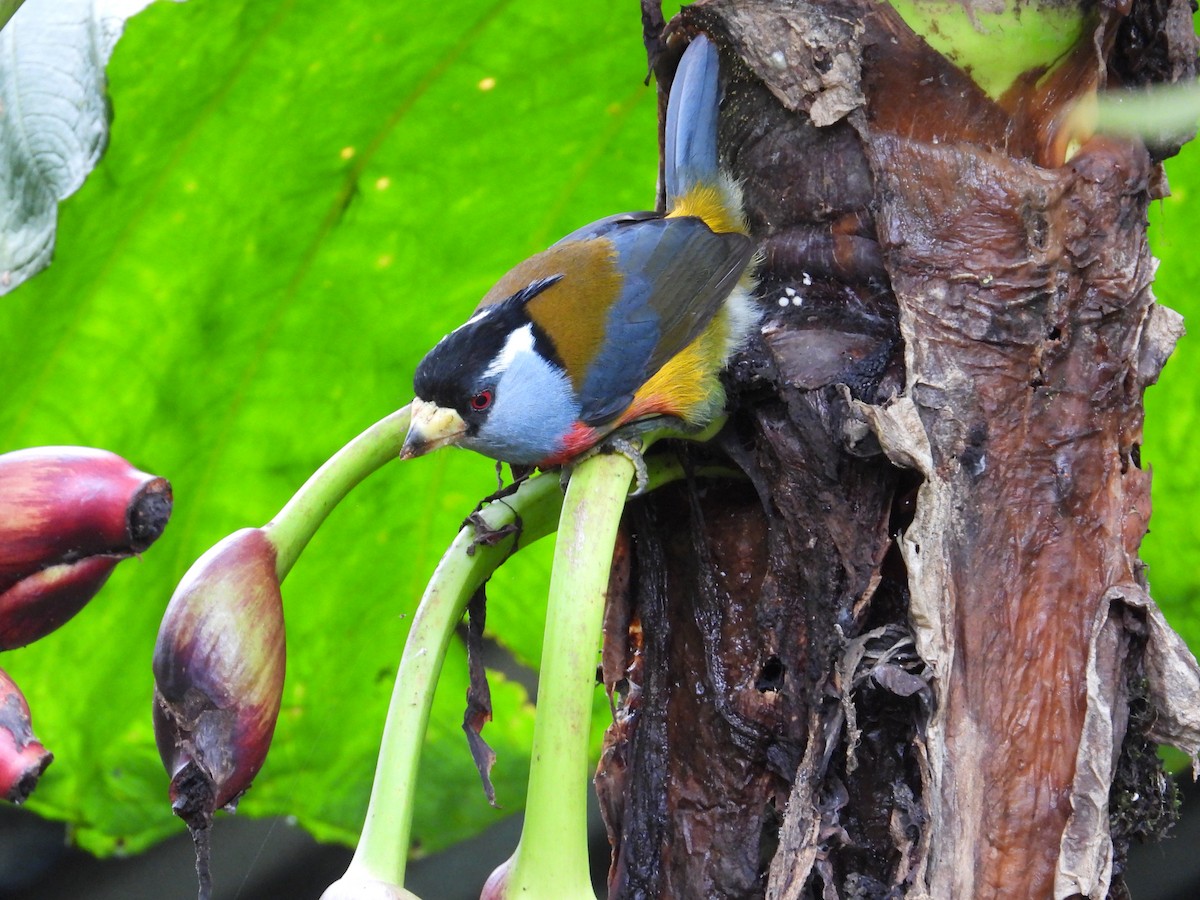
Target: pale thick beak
431, 427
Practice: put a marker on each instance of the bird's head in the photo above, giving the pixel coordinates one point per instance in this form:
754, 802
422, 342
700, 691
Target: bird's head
494, 385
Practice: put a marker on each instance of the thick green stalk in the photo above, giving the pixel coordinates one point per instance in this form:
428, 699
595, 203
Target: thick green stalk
1162, 111
551, 860
293, 527
595, 499
383, 846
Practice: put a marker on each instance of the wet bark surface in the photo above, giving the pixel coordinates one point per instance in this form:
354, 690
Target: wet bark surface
898, 657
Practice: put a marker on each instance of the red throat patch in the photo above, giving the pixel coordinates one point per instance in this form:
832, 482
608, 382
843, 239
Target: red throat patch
580, 438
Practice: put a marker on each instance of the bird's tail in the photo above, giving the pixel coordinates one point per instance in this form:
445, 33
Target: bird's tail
695, 185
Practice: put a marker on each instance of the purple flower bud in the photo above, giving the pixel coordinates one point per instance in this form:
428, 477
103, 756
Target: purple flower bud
218, 672
23, 759
496, 886
68, 515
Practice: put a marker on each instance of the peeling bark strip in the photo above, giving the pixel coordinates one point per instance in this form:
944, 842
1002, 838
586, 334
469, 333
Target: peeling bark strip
1023, 296
900, 659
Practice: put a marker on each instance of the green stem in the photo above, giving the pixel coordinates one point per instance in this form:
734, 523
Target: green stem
295, 524
551, 860
707, 433
378, 867
1161, 111
383, 846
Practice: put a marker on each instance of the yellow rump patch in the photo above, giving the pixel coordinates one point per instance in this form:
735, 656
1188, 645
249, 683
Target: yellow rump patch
710, 204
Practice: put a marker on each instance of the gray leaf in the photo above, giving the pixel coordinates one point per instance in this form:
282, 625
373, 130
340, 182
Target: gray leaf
53, 118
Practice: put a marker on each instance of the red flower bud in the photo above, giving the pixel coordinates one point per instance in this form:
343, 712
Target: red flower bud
218, 672
68, 515
23, 759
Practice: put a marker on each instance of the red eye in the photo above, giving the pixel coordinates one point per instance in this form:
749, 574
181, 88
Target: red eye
481, 401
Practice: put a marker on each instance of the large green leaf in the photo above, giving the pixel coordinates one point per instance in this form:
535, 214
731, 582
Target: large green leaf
298, 199
1172, 549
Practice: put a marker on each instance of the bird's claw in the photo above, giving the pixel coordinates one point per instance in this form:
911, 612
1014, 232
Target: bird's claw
630, 448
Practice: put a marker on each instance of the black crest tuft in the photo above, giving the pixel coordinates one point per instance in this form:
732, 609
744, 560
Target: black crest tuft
531, 290
452, 372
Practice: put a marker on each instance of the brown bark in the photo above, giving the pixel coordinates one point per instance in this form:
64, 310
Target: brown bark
900, 656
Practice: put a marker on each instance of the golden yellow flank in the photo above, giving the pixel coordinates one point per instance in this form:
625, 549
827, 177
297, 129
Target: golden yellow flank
687, 386
711, 204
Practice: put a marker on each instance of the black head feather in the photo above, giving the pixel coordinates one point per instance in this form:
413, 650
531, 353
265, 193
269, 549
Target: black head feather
453, 371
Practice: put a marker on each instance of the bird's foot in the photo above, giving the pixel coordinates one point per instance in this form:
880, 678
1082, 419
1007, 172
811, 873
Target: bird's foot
628, 447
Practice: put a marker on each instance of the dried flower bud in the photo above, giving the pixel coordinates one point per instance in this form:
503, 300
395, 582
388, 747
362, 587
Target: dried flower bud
68, 515
218, 672
23, 759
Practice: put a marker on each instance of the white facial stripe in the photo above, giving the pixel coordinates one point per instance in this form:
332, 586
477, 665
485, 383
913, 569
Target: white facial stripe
520, 341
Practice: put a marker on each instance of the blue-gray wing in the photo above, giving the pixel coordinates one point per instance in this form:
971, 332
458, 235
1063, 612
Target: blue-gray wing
677, 273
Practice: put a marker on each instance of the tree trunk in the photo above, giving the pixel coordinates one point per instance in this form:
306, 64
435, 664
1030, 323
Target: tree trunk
911, 652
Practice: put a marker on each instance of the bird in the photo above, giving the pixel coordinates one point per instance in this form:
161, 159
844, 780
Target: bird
624, 323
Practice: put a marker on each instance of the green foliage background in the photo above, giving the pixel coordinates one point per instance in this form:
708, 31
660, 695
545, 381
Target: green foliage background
1172, 549
298, 199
